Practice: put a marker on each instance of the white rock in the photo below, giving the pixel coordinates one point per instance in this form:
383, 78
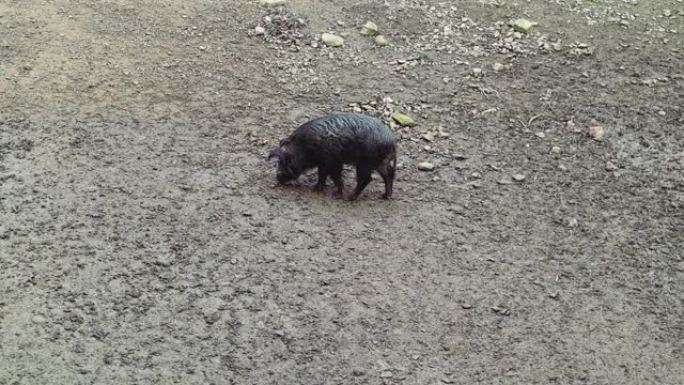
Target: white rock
270, 3
498, 67
332, 40
597, 133
369, 29
426, 166
518, 177
259, 30
381, 41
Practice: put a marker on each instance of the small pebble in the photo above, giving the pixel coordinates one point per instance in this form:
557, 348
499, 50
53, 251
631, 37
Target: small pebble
661, 113
597, 133
498, 67
259, 30
426, 166
386, 374
466, 306
610, 166
555, 150
211, 316
163, 260
381, 41
518, 177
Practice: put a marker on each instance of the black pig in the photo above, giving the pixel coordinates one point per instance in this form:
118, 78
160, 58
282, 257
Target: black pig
333, 140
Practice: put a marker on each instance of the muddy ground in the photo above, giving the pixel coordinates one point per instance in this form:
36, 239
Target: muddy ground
142, 240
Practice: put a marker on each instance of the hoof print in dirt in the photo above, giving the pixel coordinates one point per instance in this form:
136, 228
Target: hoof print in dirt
330, 142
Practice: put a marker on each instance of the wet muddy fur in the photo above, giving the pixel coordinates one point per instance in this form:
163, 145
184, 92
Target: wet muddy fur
330, 142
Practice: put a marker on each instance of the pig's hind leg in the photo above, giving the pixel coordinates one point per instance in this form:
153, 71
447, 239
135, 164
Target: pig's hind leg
386, 171
323, 173
336, 175
363, 178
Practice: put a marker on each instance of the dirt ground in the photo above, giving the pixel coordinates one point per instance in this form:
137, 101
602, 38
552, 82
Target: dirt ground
142, 240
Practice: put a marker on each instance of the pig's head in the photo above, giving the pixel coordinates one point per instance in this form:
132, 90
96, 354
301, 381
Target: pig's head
289, 164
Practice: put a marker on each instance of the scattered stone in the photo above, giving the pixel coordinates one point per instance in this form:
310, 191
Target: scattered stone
498, 67
386, 374
202, 48
212, 316
610, 166
426, 166
466, 305
332, 40
662, 113
518, 177
555, 150
504, 181
270, 3
477, 71
597, 133
381, 41
369, 29
259, 30
501, 310
164, 260
667, 12
572, 222
522, 25
403, 119
540, 135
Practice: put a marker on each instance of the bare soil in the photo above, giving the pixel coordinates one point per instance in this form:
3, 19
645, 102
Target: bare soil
142, 240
